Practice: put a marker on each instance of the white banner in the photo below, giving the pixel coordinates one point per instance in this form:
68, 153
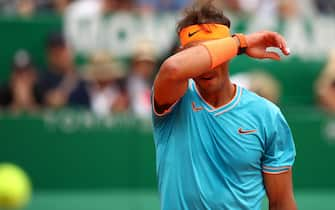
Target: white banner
87, 31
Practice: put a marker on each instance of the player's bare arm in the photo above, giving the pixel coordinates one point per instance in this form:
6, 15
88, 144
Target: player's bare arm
201, 153
171, 81
279, 190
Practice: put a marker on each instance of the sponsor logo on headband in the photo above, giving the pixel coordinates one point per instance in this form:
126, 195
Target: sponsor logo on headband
190, 34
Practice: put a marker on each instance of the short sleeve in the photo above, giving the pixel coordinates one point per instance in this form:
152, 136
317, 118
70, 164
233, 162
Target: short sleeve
279, 147
166, 112
163, 120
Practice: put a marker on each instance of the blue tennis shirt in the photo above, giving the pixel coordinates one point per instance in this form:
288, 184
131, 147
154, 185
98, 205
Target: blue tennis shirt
214, 158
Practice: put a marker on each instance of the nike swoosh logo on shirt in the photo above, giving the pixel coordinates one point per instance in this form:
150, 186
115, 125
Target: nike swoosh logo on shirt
195, 108
241, 131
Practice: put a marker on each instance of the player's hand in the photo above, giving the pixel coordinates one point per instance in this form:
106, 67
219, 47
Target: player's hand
260, 41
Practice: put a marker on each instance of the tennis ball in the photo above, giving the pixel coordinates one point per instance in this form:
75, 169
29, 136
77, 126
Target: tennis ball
15, 187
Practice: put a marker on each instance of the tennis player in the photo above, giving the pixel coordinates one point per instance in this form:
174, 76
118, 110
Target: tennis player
219, 146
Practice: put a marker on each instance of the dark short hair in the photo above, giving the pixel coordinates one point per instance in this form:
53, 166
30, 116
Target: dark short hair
55, 40
203, 13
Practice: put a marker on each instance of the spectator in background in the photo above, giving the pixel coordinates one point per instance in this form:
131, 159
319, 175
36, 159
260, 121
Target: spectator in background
288, 8
140, 79
60, 84
19, 94
261, 83
30, 7
263, 9
54, 6
163, 5
25, 8
117, 5
325, 85
107, 93
325, 6
102, 7
59, 6
236, 5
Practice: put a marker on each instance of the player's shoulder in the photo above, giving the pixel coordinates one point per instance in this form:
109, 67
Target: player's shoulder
258, 103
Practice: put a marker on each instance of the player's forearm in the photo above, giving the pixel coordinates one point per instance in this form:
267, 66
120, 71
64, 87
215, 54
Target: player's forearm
279, 189
282, 208
290, 205
190, 63
200, 59
187, 64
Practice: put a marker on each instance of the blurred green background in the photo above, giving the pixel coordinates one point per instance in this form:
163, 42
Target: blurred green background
78, 161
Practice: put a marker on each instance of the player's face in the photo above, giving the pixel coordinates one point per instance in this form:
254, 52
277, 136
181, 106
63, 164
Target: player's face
213, 80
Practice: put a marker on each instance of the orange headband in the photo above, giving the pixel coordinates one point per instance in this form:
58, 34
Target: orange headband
203, 32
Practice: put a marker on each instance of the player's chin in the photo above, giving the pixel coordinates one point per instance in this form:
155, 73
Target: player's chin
208, 84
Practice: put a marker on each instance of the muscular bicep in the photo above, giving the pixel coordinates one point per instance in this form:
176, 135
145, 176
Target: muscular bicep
279, 189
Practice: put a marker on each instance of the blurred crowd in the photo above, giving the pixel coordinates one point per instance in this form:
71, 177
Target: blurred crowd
281, 7
103, 84
107, 86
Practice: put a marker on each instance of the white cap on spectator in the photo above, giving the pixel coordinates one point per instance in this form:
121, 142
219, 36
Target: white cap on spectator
144, 51
103, 67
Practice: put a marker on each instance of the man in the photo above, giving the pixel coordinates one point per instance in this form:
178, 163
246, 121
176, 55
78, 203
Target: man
105, 75
61, 85
19, 94
140, 79
162, 5
218, 145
